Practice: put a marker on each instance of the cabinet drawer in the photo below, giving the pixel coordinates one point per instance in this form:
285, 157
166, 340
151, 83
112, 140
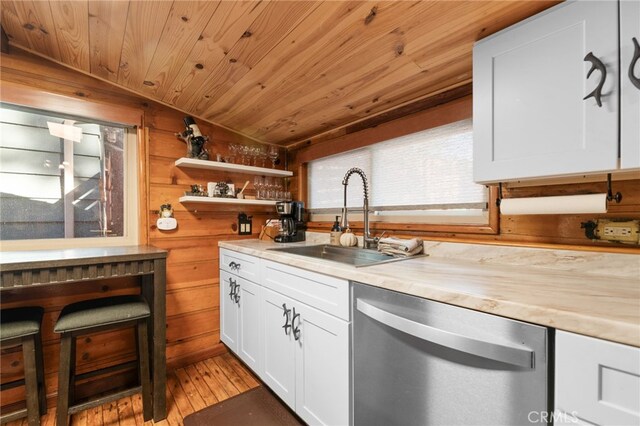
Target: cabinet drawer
243, 265
327, 294
597, 381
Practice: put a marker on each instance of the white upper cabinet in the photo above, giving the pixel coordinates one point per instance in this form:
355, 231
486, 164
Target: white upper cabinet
630, 83
530, 119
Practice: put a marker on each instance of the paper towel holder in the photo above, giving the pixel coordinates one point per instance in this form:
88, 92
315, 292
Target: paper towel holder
610, 195
499, 199
617, 197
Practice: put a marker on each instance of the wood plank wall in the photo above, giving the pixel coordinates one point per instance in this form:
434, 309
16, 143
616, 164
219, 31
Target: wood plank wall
553, 231
192, 264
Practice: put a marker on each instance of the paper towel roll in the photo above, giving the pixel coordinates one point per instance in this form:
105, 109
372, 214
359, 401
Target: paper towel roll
566, 204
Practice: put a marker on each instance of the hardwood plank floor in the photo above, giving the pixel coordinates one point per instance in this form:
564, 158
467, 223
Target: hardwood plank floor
189, 389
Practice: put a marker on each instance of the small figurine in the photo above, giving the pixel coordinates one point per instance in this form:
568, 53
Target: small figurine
223, 189
166, 211
194, 140
197, 190
166, 221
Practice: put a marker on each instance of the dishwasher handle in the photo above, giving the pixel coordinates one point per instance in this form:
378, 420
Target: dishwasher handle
522, 357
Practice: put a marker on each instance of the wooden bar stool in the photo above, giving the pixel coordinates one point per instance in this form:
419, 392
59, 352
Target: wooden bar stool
21, 326
92, 316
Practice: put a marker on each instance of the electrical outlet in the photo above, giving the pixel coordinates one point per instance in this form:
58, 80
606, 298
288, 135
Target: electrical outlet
617, 231
624, 232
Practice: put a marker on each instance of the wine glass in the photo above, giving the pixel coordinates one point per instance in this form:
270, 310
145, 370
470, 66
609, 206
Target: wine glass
261, 156
255, 153
233, 151
278, 183
244, 151
268, 188
258, 184
273, 155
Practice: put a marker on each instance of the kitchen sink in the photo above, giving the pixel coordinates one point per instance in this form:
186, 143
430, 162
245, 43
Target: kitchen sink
350, 255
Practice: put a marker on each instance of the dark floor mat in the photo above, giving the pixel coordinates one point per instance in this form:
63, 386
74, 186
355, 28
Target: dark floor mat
255, 407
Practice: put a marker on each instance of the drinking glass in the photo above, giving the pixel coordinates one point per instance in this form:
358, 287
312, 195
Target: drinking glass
233, 152
270, 188
273, 155
244, 151
261, 156
255, 153
258, 184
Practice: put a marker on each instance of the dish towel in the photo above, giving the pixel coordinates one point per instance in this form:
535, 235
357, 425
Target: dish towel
398, 247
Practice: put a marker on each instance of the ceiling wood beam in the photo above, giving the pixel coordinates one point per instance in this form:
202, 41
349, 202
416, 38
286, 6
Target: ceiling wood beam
412, 108
406, 110
450, 112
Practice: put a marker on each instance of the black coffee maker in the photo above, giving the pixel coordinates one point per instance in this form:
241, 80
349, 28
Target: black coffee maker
292, 218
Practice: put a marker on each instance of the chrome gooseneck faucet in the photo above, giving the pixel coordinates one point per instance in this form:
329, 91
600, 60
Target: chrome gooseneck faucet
369, 242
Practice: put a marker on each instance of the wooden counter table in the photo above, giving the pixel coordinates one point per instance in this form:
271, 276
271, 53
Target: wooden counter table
27, 269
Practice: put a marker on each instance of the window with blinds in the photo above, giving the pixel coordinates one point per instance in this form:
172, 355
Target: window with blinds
424, 175
60, 177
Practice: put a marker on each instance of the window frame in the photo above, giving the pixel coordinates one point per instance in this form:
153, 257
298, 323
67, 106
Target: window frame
135, 163
453, 111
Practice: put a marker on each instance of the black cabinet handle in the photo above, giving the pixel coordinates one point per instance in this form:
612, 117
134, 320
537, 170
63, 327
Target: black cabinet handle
296, 329
285, 314
234, 266
232, 288
596, 64
236, 295
636, 55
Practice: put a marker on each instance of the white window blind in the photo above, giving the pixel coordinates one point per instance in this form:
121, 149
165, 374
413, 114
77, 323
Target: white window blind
422, 172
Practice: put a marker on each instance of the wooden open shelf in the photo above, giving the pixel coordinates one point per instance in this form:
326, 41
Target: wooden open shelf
238, 168
217, 200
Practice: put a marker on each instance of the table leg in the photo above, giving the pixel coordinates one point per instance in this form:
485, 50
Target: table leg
154, 290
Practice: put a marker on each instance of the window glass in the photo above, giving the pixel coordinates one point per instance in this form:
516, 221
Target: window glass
60, 177
425, 173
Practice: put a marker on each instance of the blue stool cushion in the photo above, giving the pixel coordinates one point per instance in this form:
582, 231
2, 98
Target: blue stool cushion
101, 312
20, 322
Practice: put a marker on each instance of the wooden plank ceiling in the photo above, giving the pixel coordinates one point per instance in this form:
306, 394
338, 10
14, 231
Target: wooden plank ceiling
276, 71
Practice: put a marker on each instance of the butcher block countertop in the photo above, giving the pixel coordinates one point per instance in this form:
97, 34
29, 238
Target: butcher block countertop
566, 290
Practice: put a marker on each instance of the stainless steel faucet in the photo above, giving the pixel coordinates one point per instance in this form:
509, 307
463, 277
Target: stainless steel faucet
369, 242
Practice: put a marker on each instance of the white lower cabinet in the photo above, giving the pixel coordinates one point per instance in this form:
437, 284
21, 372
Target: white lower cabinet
596, 382
278, 349
306, 359
228, 311
250, 327
560, 418
292, 328
240, 327
322, 368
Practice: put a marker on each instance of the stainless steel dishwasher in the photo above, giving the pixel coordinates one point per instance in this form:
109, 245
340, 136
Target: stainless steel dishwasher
420, 362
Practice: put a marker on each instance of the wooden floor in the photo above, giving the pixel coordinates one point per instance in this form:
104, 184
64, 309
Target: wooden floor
189, 389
